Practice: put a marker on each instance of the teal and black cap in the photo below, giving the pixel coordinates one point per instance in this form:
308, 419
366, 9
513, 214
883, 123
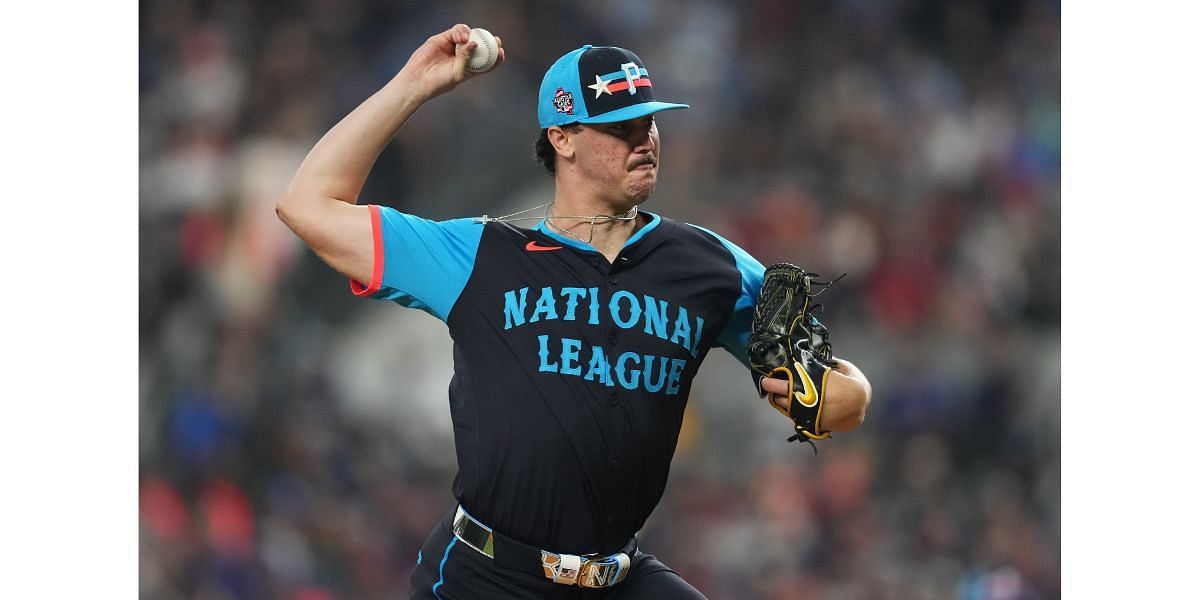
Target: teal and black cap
601, 84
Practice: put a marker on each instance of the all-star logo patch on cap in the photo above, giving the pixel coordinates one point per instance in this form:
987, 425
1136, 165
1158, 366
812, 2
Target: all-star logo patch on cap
601, 84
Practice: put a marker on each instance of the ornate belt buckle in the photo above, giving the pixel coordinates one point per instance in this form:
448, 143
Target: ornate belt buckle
604, 572
561, 568
571, 569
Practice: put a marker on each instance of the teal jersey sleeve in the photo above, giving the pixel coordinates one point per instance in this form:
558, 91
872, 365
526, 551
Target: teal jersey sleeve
420, 263
737, 331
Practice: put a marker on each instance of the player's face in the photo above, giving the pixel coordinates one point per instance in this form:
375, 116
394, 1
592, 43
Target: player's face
622, 157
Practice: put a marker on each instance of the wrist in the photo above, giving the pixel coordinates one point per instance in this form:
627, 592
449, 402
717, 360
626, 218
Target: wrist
414, 86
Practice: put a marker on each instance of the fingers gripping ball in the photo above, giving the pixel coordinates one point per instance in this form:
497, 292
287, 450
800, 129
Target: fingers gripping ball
486, 51
787, 342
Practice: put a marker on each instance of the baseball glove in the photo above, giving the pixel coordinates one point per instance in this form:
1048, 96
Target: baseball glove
788, 342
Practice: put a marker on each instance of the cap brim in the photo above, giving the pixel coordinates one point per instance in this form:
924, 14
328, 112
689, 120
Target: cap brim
632, 112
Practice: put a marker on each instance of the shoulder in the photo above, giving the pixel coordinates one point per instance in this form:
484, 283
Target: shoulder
750, 267
699, 235
689, 233
498, 235
409, 224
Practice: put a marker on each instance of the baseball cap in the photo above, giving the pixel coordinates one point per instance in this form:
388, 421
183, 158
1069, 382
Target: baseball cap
597, 84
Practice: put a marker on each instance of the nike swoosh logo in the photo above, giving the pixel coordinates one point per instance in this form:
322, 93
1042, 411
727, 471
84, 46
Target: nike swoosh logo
534, 247
809, 397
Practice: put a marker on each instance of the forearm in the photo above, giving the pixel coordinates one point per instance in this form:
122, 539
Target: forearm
848, 394
337, 167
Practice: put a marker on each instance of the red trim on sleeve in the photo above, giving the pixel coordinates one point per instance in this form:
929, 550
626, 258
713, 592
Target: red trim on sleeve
377, 269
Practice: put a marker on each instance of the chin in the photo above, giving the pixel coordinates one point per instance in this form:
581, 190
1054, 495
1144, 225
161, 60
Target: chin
641, 193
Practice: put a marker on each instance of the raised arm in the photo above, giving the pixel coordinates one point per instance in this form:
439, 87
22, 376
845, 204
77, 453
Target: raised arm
320, 204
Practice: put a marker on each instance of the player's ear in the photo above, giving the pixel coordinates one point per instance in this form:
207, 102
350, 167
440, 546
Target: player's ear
561, 142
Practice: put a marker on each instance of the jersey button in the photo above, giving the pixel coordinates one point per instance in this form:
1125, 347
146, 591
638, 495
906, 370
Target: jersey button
615, 463
613, 280
612, 398
612, 338
610, 519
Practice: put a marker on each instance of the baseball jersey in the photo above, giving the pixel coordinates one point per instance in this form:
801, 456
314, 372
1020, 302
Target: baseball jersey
571, 373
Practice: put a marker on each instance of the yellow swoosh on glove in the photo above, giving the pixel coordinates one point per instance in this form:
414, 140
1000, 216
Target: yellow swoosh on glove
809, 397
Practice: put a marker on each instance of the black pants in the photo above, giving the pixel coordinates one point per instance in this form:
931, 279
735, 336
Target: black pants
448, 569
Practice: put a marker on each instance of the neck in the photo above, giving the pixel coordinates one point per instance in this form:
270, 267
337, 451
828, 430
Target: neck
605, 227
579, 198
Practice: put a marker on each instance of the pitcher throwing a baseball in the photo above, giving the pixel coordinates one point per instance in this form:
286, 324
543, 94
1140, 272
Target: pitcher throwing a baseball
575, 341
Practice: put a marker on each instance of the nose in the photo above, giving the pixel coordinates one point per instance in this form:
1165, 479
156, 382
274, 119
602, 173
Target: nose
644, 139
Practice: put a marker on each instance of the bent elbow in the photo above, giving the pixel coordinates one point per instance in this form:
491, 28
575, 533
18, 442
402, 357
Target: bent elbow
283, 208
295, 212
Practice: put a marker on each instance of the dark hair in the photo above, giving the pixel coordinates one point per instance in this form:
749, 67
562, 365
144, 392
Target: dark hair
544, 152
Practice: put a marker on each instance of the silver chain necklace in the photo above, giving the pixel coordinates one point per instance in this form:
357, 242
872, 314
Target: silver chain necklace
628, 215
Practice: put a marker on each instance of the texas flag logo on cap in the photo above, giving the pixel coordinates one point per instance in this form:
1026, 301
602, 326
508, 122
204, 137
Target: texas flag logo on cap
631, 77
611, 84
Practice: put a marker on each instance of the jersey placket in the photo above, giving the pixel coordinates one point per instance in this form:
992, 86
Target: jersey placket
616, 438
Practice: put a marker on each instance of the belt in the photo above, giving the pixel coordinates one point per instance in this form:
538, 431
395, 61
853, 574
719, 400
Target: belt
586, 571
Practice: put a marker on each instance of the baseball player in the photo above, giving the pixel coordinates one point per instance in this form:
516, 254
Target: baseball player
575, 341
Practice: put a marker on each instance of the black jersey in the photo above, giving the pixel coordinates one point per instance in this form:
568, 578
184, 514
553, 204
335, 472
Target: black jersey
571, 373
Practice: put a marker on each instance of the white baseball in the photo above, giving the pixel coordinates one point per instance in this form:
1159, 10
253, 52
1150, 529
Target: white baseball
486, 51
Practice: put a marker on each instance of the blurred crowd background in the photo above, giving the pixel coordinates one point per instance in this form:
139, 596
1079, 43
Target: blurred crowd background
295, 440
